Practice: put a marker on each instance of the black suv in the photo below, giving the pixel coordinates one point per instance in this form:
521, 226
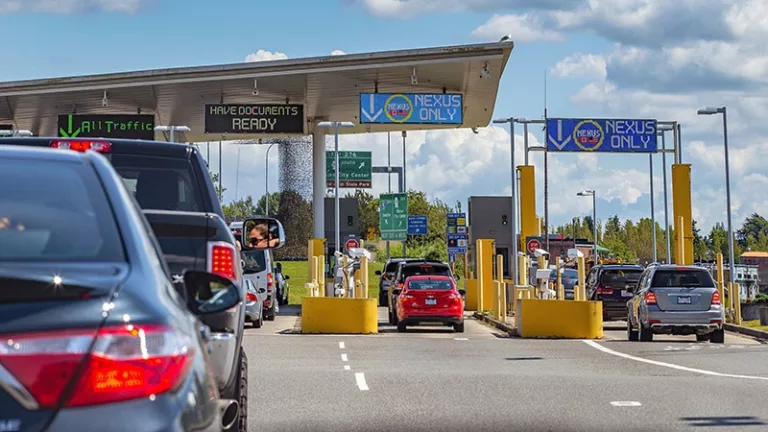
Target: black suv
613, 284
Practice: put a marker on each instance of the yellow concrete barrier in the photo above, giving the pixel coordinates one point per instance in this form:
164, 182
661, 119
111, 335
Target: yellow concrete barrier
338, 315
470, 299
563, 319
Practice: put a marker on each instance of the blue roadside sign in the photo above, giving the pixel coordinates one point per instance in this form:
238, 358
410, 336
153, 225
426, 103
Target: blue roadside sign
417, 225
411, 108
602, 135
456, 233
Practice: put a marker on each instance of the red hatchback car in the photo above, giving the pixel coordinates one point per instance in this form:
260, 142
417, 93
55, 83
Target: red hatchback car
430, 299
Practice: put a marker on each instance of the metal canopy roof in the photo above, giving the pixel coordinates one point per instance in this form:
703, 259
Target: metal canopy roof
329, 88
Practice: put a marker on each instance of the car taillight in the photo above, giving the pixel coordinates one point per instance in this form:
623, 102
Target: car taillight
603, 290
83, 145
127, 362
716, 298
456, 297
270, 282
221, 259
650, 298
250, 297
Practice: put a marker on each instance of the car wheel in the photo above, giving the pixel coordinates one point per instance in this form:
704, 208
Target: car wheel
632, 335
646, 334
383, 299
277, 308
259, 322
395, 319
703, 337
269, 314
401, 327
458, 328
717, 336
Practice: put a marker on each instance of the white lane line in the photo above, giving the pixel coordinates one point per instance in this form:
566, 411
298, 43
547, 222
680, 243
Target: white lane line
626, 403
361, 384
461, 339
347, 367
341, 345
344, 357
596, 345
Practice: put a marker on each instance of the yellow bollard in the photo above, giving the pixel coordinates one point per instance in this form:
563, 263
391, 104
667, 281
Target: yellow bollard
480, 272
680, 259
522, 270
364, 275
580, 293
321, 275
737, 304
560, 288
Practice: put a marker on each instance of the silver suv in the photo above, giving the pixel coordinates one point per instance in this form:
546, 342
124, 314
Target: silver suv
677, 300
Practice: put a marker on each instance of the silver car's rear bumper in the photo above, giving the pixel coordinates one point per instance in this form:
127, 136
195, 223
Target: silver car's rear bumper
223, 352
253, 311
685, 321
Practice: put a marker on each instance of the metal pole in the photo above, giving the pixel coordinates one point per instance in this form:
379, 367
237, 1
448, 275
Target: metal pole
525, 141
171, 133
546, 202
266, 182
731, 260
405, 188
337, 237
237, 174
221, 192
679, 143
666, 204
653, 211
594, 222
208, 155
513, 260
389, 173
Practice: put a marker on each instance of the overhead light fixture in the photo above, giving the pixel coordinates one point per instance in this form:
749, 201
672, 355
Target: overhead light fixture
255, 91
414, 77
104, 100
485, 72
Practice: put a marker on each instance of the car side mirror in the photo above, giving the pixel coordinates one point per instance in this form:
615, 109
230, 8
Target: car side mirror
211, 293
286, 277
456, 277
378, 272
262, 290
262, 233
462, 292
396, 291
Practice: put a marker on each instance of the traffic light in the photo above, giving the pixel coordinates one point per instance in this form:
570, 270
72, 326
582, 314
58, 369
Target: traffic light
349, 221
503, 219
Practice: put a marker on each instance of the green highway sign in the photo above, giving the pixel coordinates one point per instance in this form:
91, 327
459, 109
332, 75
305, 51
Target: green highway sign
128, 126
393, 216
355, 169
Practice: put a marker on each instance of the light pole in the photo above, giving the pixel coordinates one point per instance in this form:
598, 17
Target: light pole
335, 125
594, 217
172, 131
405, 189
266, 182
731, 260
653, 210
663, 129
513, 216
389, 173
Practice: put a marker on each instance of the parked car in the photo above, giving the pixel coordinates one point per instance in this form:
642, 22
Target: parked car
281, 280
254, 304
677, 300
387, 275
258, 267
409, 269
102, 335
569, 278
611, 284
429, 299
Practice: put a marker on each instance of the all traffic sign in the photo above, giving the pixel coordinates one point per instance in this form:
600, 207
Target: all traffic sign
351, 244
532, 245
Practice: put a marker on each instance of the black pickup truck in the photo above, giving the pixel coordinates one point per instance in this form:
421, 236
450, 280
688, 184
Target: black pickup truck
171, 184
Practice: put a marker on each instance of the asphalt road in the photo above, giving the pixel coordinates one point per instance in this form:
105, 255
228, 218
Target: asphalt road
431, 379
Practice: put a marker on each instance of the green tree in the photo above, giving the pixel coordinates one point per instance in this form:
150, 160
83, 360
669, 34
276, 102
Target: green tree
754, 233
700, 249
219, 190
274, 204
239, 210
295, 213
368, 211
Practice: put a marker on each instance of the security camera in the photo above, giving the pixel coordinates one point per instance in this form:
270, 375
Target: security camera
474, 130
540, 253
414, 77
485, 72
255, 91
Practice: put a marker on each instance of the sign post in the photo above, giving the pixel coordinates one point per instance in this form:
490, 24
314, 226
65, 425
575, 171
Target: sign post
393, 216
254, 119
125, 126
356, 169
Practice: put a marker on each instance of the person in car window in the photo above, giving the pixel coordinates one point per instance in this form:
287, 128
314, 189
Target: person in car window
258, 237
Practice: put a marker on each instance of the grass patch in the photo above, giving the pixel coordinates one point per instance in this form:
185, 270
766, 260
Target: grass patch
755, 324
299, 273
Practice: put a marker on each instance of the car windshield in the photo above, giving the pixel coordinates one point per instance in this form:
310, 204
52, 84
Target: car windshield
423, 270
430, 284
255, 261
682, 279
53, 211
619, 277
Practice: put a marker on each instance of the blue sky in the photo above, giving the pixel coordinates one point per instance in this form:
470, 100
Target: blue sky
603, 60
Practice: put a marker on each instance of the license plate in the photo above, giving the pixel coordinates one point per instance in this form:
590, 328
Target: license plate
626, 293
684, 300
430, 302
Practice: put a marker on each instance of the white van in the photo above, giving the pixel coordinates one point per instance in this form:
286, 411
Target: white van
259, 269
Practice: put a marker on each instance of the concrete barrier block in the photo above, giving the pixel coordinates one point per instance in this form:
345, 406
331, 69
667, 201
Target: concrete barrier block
335, 315
470, 300
560, 319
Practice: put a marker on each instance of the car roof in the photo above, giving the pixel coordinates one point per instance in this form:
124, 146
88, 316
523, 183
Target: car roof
621, 266
21, 152
430, 277
157, 148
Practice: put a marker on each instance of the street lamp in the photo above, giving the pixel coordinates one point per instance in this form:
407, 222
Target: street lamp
663, 128
336, 125
586, 193
722, 110
513, 259
266, 181
172, 131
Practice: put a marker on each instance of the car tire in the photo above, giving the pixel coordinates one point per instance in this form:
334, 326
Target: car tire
632, 335
703, 337
383, 300
395, 319
259, 322
401, 327
270, 313
717, 336
646, 334
459, 327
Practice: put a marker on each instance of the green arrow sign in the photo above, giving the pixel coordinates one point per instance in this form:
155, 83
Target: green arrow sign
393, 216
355, 169
69, 132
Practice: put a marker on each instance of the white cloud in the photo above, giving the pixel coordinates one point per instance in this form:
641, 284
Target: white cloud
521, 28
262, 55
337, 52
69, 6
404, 9
581, 65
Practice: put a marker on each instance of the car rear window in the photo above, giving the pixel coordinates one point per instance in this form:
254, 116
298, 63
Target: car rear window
430, 284
255, 261
54, 211
619, 277
391, 267
682, 279
424, 270
160, 183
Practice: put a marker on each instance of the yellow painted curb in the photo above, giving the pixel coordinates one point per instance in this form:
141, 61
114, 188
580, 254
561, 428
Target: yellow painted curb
335, 315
